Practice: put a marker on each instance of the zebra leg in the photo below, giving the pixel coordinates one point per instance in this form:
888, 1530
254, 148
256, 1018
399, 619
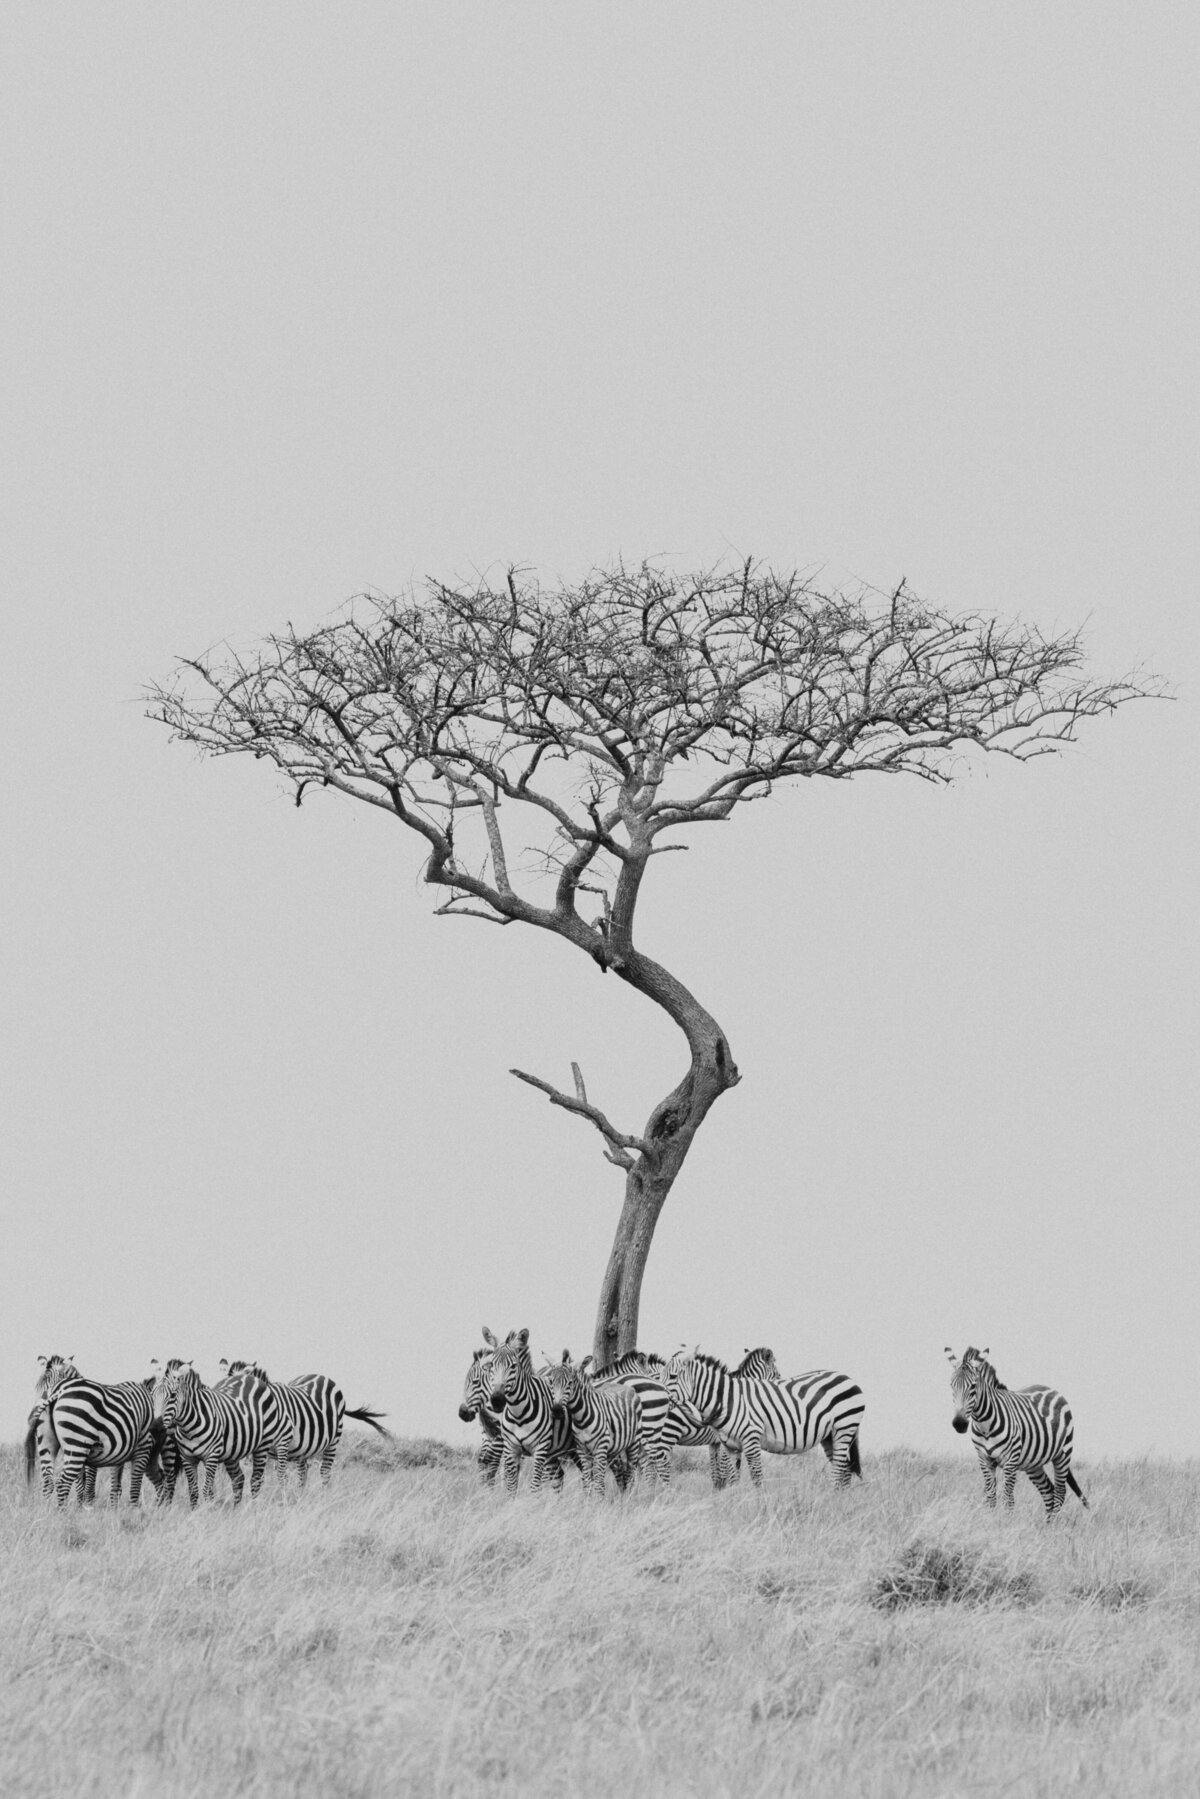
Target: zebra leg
489, 1458
541, 1465
137, 1471
722, 1467
988, 1468
1051, 1497
258, 1467
87, 1485
237, 1479
302, 1465
1060, 1485
71, 1471
210, 1476
557, 1473
512, 1463
1010, 1484
114, 1487
840, 1452
752, 1450
328, 1457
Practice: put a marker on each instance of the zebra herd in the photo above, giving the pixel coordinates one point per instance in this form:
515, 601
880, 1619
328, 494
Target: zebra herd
172, 1420
627, 1417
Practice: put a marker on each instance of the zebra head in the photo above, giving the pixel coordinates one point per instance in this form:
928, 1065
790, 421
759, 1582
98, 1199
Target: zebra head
699, 1384
760, 1364
54, 1370
970, 1377
564, 1381
476, 1390
231, 1370
168, 1382
511, 1369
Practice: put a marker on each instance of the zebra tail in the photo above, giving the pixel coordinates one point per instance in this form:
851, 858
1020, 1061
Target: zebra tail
1076, 1489
31, 1436
855, 1463
365, 1415
52, 1442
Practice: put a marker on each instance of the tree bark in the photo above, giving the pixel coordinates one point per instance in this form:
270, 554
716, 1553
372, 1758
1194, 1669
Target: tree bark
668, 1137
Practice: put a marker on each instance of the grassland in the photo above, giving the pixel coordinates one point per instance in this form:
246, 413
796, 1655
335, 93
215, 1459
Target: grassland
408, 1632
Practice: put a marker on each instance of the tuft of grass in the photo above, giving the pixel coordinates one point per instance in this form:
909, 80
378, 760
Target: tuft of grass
930, 1574
1112, 1595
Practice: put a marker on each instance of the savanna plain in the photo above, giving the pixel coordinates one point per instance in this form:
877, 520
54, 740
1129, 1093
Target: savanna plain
408, 1631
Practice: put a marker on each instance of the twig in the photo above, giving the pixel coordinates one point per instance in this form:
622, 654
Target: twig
619, 1142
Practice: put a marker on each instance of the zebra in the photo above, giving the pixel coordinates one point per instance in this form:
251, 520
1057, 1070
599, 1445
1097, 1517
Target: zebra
784, 1417
530, 1422
314, 1409
1031, 1429
726, 1465
55, 1370
475, 1404
668, 1421
682, 1425
222, 1425
607, 1420
98, 1426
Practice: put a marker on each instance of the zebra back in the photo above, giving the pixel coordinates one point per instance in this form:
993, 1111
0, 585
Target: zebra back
225, 1423
93, 1422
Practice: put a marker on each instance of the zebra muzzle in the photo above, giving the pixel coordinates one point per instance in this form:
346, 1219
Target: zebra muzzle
959, 1421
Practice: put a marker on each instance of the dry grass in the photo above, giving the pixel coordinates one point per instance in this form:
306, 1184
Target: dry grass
409, 1633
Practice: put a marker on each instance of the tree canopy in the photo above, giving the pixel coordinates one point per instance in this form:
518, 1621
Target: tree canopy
547, 742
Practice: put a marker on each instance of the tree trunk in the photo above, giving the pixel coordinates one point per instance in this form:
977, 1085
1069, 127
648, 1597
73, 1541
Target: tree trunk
668, 1136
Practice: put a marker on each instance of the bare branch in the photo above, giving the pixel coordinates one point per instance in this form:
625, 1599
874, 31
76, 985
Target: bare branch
619, 1142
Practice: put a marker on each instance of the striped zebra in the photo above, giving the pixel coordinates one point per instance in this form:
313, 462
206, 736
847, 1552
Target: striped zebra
759, 1364
530, 1422
54, 1370
222, 1426
670, 1422
93, 1425
1030, 1429
476, 1404
314, 1409
607, 1420
784, 1417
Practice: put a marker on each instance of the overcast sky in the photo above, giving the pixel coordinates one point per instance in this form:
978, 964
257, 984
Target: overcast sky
301, 300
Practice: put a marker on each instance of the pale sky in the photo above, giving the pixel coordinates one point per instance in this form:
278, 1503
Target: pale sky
301, 300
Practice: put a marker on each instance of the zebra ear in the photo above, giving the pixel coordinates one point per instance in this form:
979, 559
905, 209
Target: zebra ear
951, 1357
583, 1366
522, 1337
566, 1356
223, 1363
489, 1338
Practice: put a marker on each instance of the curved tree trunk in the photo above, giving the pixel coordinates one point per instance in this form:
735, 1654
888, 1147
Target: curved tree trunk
667, 1138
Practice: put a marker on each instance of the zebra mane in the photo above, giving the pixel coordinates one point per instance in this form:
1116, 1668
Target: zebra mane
709, 1361
970, 1354
255, 1368
632, 1362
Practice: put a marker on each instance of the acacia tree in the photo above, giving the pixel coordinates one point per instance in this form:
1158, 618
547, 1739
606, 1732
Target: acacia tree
547, 744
